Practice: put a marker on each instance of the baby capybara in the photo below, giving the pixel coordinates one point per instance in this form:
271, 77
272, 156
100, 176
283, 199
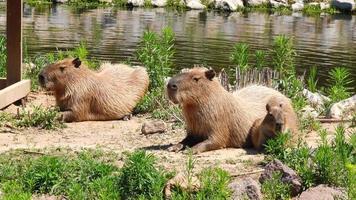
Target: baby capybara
83, 94
214, 117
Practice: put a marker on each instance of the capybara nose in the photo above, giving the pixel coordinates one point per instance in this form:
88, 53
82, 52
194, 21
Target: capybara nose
279, 127
41, 79
172, 86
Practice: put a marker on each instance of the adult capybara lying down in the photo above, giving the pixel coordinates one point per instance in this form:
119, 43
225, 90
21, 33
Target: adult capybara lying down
83, 94
214, 117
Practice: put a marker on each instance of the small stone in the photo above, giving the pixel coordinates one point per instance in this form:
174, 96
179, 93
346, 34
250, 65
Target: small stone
245, 188
229, 5
195, 4
344, 5
343, 109
322, 192
278, 3
159, 3
136, 3
289, 176
315, 99
153, 127
324, 5
256, 2
297, 6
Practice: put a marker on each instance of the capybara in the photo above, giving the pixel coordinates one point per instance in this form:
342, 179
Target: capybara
275, 121
83, 94
214, 117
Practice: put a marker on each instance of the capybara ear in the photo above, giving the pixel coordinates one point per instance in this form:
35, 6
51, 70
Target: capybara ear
77, 62
210, 74
268, 108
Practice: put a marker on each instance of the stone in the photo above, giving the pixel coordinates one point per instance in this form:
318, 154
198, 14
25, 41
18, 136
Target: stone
195, 4
181, 180
324, 5
256, 2
309, 112
278, 3
343, 109
60, 1
297, 6
322, 192
153, 127
289, 176
136, 3
159, 3
315, 99
229, 5
344, 5
245, 188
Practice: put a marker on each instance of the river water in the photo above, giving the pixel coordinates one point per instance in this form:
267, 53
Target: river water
201, 37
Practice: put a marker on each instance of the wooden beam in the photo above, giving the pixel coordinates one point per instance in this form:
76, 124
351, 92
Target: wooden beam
14, 92
3, 83
14, 40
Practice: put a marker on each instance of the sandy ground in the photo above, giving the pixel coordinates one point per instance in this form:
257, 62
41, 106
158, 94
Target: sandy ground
121, 136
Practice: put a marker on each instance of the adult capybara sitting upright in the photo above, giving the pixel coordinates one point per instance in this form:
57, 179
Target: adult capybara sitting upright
83, 94
214, 117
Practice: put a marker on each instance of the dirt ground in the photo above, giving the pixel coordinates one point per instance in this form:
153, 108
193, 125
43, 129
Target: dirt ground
121, 136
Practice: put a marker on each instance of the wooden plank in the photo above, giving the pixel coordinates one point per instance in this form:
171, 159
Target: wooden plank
2, 83
14, 41
14, 92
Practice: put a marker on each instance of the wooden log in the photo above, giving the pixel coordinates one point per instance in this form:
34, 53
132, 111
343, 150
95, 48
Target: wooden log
14, 92
14, 41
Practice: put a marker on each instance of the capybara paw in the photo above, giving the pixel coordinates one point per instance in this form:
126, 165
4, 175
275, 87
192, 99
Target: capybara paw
176, 147
66, 116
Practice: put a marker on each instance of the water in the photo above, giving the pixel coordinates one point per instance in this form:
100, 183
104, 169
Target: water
201, 37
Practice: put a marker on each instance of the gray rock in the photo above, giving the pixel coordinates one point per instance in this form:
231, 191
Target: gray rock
315, 99
343, 109
322, 192
256, 2
289, 176
309, 112
324, 5
297, 6
153, 127
136, 3
278, 3
159, 3
245, 188
195, 4
345, 5
230, 5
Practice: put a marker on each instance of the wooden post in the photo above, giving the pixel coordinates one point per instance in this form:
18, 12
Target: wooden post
14, 41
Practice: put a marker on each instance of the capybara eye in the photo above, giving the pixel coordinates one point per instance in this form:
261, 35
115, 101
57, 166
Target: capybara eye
61, 68
196, 79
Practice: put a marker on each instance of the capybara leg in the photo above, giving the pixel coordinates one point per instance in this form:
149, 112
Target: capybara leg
67, 116
187, 141
206, 145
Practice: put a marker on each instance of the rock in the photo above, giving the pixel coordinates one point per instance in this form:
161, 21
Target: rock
245, 188
343, 109
159, 3
278, 3
344, 5
289, 176
153, 127
256, 2
60, 1
315, 99
136, 3
196, 5
322, 192
324, 5
309, 112
297, 6
181, 180
230, 5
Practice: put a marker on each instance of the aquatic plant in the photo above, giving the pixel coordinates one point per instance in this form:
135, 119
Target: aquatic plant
260, 57
340, 84
240, 56
312, 80
283, 55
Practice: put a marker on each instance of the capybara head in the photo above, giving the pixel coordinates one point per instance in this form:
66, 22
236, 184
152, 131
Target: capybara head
191, 86
57, 73
276, 115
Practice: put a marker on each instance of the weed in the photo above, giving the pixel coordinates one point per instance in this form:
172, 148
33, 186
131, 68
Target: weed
3, 56
176, 4
283, 55
214, 184
312, 79
278, 146
240, 56
340, 82
260, 57
140, 179
13, 191
274, 188
308, 124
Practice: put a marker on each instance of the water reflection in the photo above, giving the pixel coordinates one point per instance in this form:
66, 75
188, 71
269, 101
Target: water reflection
201, 37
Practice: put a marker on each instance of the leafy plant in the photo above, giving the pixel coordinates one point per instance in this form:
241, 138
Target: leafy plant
283, 55
260, 57
312, 80
340, 83
274, 188
240, 56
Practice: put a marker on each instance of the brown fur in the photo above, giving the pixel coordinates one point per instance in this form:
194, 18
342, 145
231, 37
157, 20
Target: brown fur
214, 117
277, 120
83, 94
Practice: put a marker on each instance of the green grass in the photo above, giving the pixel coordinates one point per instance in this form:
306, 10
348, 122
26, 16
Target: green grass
312, 80
92, 174
3, 56
274, 189
240, 56
35, 116
330, 163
